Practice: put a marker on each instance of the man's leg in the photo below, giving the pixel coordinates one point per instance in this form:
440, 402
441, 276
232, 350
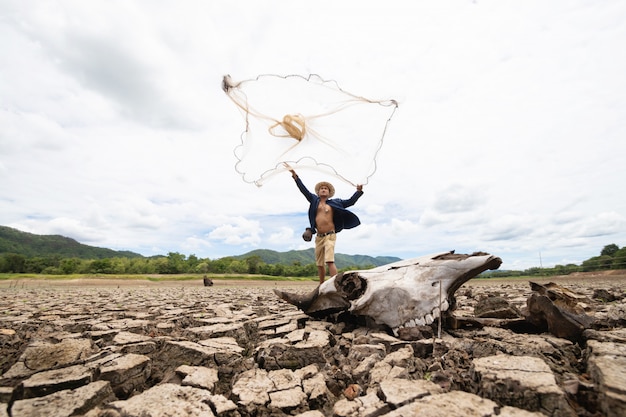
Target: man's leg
321, 271
332, 269
329, 254
319, 258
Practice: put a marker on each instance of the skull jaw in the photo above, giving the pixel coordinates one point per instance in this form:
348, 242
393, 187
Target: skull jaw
393, 308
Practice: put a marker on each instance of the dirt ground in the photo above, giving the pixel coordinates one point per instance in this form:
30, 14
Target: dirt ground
116, 304
597, 279
126, 282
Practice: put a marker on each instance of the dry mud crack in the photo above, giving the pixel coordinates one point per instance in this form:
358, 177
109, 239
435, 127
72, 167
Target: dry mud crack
101, 349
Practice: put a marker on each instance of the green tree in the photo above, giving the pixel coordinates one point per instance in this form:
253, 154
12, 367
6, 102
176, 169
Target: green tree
37, 264
565, 269
310, 270
609, 250
619, 259
120, 265
141, 266
220, 266
597, 263
102, 266
238, 267
266, 269
161, 265
52, 270
175, 263
13, 262
279, 270
70, 265
202, 267
192, 262
534, 271
253, 264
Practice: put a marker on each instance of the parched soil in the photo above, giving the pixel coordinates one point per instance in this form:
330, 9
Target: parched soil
247, 353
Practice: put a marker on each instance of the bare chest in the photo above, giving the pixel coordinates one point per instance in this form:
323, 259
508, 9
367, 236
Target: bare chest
324, 209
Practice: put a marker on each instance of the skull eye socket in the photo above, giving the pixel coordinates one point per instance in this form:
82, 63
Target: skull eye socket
350, 285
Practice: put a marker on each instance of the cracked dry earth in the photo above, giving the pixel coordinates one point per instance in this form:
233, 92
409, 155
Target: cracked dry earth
105, 349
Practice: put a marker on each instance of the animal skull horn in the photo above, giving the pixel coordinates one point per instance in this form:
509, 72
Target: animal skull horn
401, 294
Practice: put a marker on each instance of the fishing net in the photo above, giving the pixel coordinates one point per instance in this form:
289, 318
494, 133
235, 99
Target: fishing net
307, 122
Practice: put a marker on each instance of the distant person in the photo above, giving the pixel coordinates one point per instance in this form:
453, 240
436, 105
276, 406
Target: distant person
327, 216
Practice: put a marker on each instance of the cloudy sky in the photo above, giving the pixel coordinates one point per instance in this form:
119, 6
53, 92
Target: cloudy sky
510, 136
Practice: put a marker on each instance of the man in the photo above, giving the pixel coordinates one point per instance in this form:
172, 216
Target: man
327, 217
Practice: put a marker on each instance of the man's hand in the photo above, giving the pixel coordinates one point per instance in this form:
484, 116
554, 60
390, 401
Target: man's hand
359, 187
290, 169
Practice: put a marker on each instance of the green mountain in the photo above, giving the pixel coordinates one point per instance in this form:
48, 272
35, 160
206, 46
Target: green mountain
30, 245
307, 256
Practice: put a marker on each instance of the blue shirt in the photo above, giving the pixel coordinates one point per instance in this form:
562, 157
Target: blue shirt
342, 218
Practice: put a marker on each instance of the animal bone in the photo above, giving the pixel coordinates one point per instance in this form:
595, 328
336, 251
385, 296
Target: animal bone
401, 294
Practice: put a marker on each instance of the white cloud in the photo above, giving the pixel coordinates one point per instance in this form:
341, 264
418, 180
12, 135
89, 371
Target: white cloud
284, 234
64, 226
374, 209
458, 198
194, 245
601, 224
238, 232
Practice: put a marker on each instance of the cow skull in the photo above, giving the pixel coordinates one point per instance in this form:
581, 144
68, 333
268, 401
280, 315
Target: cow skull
401, 294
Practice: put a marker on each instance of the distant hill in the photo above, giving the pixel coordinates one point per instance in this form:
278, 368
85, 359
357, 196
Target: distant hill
307, 256
31, 245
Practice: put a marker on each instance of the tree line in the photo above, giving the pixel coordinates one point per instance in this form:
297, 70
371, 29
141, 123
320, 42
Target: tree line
173, 263
611, 257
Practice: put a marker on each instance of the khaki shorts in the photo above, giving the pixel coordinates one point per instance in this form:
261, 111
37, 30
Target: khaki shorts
325, 249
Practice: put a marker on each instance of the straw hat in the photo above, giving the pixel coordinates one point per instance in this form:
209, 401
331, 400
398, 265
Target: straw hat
331, 189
